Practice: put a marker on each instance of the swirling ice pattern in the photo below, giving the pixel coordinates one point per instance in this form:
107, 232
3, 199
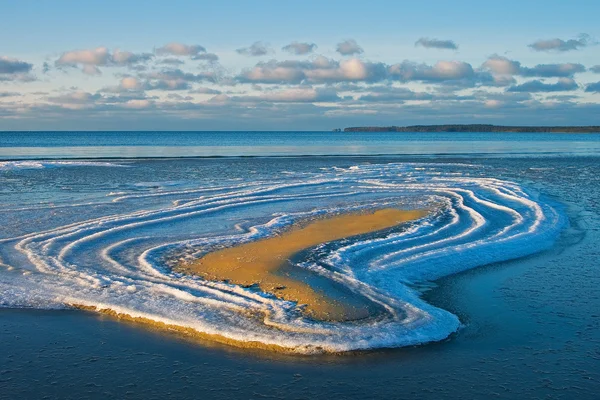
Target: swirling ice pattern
121, 262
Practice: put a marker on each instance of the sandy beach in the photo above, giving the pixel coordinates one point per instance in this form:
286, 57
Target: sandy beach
261, 262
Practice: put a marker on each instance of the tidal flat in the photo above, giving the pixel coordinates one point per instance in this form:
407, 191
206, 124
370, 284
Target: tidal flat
515, 314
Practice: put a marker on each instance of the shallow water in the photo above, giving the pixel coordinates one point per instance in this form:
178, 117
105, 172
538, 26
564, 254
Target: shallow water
101, 235
527, 324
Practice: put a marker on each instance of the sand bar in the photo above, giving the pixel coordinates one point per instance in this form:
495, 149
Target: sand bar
263, 262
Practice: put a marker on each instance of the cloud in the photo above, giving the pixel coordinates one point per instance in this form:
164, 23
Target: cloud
441, 71
324, 70
257, 49
502, 66
130, 83
220, 98
503, 70
495, 80
563, 84
138, 103
295, 95
560, 45
596, 69
384, 94
9, 94
319, 70
91, 59
176, 96
349, 47
11, 66
181, 75
112, 113
593, 87
206, 57
204, 90
167, 84
75, 100
128, 58
174, 79
12, 69
127, 85
274, 72
351, 70
299, 48
180, 49
436, 44
167, 80
503, 97
553, 70
91, 70
171, 61
98, 56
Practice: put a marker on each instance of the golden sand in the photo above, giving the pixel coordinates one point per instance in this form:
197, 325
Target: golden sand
260, 263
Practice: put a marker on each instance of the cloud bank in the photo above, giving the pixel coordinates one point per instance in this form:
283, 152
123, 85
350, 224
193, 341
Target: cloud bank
185, 82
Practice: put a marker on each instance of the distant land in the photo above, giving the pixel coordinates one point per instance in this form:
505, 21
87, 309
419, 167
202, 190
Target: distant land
476, 128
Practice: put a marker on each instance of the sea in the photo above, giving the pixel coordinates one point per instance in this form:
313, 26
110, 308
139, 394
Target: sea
494, 293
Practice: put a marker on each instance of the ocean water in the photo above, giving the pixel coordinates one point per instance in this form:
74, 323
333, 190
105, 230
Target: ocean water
508, 253
36, 145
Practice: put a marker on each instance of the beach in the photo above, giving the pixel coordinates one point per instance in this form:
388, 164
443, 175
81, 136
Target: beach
95, 261
260, 263
509, 332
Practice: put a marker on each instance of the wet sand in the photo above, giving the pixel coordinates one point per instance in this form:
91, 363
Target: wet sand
265, 262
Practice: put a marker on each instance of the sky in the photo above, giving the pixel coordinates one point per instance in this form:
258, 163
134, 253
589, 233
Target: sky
283, 65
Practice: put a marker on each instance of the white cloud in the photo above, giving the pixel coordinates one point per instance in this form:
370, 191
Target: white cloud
180, 49
97, 56
321, 69
91, 70
348, 70
91, 59
130, 83
138, 103
273, 72
441, 71
349, 47
502, 65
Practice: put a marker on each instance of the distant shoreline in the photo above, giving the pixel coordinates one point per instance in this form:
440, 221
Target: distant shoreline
476, 128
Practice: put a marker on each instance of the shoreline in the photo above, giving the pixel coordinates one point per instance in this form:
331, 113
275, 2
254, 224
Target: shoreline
475, 128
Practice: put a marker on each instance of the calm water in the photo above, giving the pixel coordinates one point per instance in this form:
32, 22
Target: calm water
19, 145
520, 321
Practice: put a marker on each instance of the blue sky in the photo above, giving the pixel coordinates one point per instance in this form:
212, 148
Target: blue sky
272, 65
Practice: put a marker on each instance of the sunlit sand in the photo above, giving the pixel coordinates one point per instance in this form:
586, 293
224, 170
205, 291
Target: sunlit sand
264, 262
